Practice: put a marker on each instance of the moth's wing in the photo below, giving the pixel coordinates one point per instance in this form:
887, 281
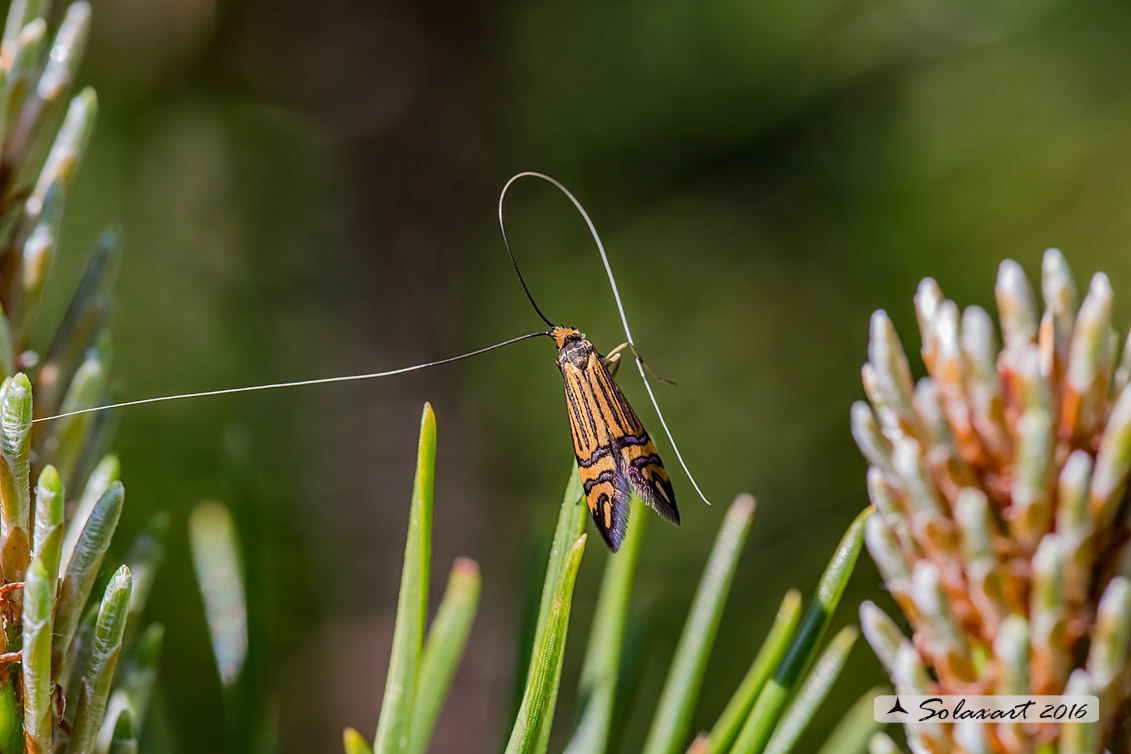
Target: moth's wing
608, 500
647, 475
636, 456
606, 487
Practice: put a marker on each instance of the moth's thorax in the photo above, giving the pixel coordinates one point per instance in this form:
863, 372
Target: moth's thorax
573, 348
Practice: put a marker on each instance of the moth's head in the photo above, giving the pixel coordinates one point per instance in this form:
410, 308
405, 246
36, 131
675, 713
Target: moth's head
563, 335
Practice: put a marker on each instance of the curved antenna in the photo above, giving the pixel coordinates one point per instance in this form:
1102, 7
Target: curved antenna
620, 307
503, 228
298, 383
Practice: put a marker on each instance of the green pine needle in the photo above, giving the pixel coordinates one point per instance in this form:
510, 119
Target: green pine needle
354, 743
531, 728
672, 719
813, 691
219, 572
606, 641
99, 672
443, 649
771, 701
856, 728
571, 523
394, 727
39, 600
765, 663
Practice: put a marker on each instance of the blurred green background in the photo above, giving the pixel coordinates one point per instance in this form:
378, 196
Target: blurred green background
308, 189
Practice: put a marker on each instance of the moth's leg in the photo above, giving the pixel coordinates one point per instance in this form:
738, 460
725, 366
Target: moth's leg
9, 657
648, 369
612, 361
616, 351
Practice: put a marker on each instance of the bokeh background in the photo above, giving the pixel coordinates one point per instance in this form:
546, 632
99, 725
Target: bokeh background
308, 189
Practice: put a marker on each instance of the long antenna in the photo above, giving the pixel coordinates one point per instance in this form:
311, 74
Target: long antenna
616, 295
503, 229
298, 383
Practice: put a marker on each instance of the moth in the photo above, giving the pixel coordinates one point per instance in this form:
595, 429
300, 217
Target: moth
615, 456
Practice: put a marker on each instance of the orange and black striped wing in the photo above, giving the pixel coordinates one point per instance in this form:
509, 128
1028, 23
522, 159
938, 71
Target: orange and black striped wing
606, 488
641, 463
614, 453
